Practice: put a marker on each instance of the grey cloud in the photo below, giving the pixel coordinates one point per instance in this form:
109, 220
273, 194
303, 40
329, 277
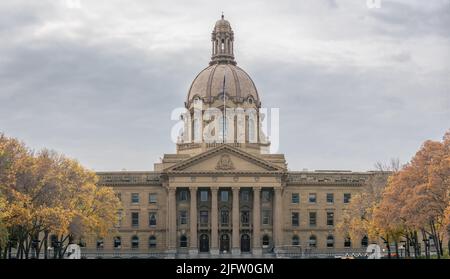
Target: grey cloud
406, 20
107, 102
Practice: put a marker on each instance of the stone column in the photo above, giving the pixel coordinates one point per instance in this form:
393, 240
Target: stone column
193, 248
235, 218
277, 218
257, 221
172, 225
214, 222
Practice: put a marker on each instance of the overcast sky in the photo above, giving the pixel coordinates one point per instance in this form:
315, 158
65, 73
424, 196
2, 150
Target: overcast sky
97, 80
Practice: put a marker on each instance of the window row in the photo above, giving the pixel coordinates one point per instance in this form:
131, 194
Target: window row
117, 242
312, 241
135, 197
225, 217
224, 195
295, 219
152, 219
312, 198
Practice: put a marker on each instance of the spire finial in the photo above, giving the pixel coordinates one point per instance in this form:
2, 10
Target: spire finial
222, 15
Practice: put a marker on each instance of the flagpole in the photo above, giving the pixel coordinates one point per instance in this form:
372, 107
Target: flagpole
224, 110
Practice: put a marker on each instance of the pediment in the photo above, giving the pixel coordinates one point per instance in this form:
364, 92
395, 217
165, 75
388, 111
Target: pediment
225, 159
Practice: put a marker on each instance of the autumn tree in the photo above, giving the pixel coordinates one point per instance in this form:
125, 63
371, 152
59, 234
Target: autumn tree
357, 220
48, 193
416, 199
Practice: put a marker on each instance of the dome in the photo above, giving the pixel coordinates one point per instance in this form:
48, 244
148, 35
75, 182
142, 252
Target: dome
222, 25
208, 84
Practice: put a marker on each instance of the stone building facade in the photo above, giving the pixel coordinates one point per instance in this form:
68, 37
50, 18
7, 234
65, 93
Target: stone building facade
227, 196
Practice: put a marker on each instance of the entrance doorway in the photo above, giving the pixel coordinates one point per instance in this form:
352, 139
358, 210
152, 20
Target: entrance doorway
204, 243
245, 243
224, 243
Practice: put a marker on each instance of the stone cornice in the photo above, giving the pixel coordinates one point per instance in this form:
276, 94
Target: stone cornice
227, 148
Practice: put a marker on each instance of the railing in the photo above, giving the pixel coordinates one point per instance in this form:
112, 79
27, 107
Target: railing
297, 251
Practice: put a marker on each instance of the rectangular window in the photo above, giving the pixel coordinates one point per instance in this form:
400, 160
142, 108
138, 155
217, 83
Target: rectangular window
330, 198
183, 217
312, 198
203, 218
152, 198
204, 196
265, 196
224, 196
347, 197
245, 195
183, 195
330, 218
312, 219
245, 218
295, 198
224, 217
266, 217
119, 219
152, 219
134, 198
295, 219
135, 219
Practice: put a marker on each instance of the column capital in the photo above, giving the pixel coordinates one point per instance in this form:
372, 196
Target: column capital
193, 188
214, 188
171, 190
257, 188
235, 188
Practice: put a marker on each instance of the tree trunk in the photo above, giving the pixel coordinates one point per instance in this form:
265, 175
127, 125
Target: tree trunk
396, 250
388, 247
27, 247
407, 253
45, 240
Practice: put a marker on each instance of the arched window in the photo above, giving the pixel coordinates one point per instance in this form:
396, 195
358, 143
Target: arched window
183, 241
347, 242
100, 243
251, 128
224, 217
152, 241
117, 242
220, 139
135, 242
295, 240
196, 130
365, 241
330, 241
152, 219
313, 241
265, 241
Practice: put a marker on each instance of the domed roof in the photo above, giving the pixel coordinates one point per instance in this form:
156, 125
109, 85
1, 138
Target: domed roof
222, 25
208, 84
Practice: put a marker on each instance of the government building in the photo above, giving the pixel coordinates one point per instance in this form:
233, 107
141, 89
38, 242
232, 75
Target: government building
223, 194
